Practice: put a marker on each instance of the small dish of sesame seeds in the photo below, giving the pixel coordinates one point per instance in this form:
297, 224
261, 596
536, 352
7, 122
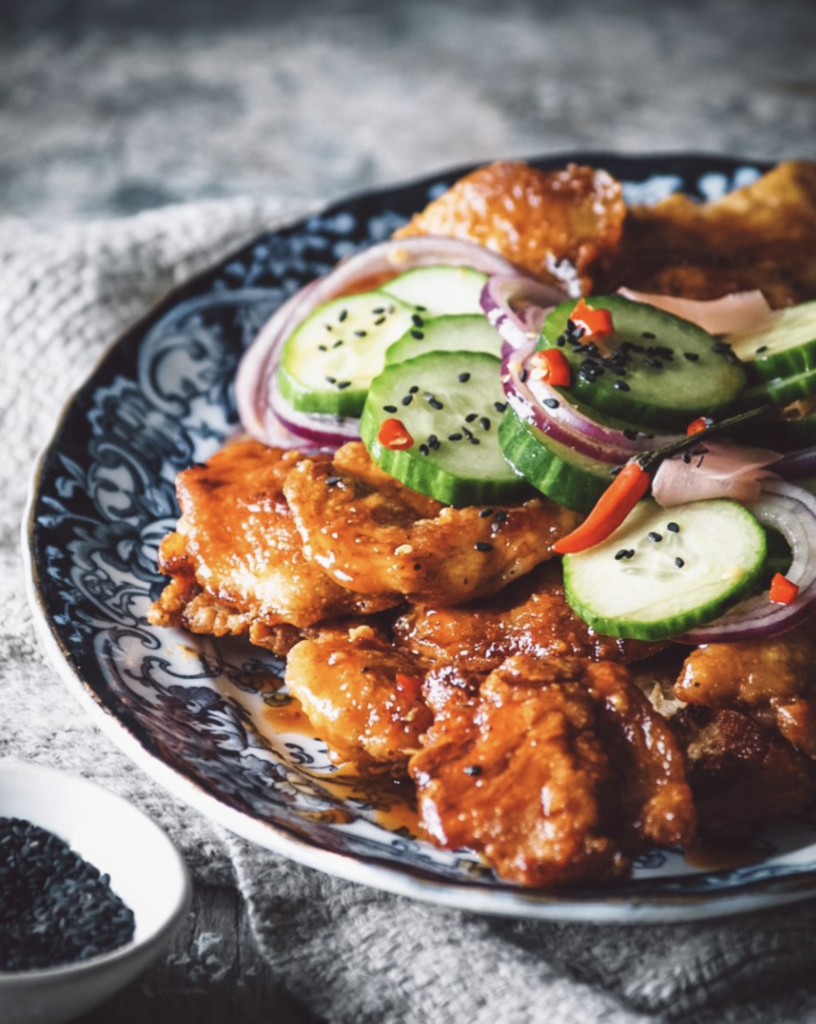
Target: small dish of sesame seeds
91, 891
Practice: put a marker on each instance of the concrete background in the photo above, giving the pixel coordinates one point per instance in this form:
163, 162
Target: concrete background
112, 106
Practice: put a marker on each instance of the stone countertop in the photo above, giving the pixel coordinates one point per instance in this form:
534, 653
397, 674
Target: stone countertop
109, 108
113, 106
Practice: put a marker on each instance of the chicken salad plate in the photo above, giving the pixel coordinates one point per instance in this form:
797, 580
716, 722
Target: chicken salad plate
460, 540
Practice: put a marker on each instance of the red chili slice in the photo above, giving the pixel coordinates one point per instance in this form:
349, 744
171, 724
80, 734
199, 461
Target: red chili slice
394, 435
551, 366
614, 505
782, 590
597, 323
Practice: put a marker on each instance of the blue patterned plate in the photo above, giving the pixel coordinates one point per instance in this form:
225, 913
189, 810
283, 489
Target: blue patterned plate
208, 719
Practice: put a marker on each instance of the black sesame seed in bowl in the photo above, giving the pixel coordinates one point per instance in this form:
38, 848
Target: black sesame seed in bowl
91, 891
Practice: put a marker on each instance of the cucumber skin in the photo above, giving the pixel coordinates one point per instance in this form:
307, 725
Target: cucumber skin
446, 488
555, 478
677, 626
624, 405
348, 402
780, 392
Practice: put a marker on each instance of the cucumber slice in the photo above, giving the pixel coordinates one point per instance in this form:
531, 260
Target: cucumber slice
780, 392
439, 291
655, 369
785, 349
448, 403
556, 470
662, 588
447, 334
329, 361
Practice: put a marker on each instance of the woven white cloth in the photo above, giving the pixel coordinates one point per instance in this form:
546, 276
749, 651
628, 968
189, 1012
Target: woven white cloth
350, 953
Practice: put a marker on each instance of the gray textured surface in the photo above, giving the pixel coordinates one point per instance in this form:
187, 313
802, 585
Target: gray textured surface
111, 107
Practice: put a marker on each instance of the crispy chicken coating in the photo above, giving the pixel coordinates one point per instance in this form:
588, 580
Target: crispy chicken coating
739, 770
761, 236
237, 558
528, 617
375, 536
772, 680
556, 770
553, 224
362, 697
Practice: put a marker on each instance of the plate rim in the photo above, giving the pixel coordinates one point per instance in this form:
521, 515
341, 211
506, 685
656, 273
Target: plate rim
474, 897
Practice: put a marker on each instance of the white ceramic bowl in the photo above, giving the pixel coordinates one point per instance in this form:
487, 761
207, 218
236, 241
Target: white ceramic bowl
145, 870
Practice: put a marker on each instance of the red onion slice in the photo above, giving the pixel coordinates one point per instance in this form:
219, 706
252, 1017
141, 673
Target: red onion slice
323, 430
792, 511
517, 306
565, 422
738, 312
723, 471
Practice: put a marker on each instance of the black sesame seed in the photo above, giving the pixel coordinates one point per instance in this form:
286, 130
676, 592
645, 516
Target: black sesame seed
500, 406
455, 437
673, 528
342, 316
656, 537
621, 385
464, 378
421, 309
761, 349
630, 435
474, 440
630, 553
389, 408
407, 399
418, 335
338, 343
472, 769
471, 418
332, 380
485, 512
360, 334
484, 422
686, 458
379, 309
551, 403
523, 376
413, 390
647, 334
322, 348
55, 907
434, 403
500, 517
424, 449
379, 320
468, 433
679, 563
691, 356
482, 545
560, 341
417, 320
433, 442
328, 327
620, 555
343, 384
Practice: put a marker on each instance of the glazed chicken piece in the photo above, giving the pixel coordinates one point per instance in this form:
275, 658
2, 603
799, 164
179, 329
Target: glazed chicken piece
362, 697
553, 224
772, 680
375, 536
236, 557
529, 617
739, 770
556, 770
762, 236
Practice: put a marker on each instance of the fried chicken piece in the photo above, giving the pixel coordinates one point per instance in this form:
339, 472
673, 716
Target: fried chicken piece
528, 617
739, 770
236, 558
375, 536
556, 770
772, 680
762, 236
362, 697
554, 224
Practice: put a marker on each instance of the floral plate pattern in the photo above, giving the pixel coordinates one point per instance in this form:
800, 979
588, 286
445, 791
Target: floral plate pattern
209, 719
